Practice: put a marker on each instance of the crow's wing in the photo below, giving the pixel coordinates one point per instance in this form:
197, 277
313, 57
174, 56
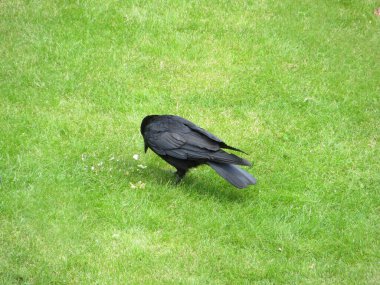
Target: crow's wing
195, 128
189, 152
191, 146
165, 141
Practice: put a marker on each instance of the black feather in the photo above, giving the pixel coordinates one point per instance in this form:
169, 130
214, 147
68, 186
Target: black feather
233, 174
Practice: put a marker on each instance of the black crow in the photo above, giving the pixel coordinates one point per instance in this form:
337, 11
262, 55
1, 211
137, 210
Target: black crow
185, 145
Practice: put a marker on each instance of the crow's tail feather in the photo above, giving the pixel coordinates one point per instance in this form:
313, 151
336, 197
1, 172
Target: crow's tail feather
233, 174
223, 145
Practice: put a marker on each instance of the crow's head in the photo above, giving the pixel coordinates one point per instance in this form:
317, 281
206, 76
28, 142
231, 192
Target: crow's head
144, 123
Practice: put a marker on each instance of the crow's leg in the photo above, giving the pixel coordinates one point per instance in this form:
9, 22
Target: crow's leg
179, 175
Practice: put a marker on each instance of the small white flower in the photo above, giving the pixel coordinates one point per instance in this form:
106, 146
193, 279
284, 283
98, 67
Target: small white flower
92, 168
116, 235
136, 157
138, 185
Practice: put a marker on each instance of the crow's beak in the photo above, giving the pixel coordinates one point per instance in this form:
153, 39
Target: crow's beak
145, 147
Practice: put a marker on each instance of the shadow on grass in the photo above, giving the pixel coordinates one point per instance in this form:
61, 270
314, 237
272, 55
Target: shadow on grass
201, 183
200, 188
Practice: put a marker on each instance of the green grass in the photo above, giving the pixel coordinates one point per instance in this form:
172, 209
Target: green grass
294, 83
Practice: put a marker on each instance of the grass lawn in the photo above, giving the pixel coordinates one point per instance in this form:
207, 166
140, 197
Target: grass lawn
294, 83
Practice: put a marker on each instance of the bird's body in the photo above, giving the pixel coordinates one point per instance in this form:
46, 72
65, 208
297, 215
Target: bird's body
184, 145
